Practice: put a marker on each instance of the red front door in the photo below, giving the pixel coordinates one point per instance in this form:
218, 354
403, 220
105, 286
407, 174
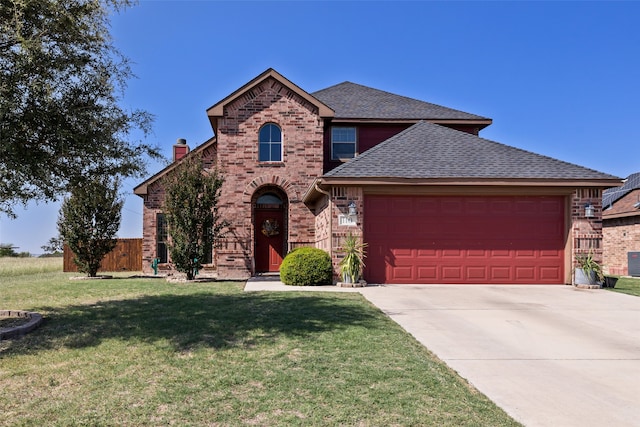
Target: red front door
269, 231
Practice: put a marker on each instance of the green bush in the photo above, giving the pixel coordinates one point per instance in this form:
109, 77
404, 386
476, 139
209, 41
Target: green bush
306, 267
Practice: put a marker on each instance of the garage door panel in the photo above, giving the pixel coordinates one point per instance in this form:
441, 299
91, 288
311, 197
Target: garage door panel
452, 273
500, 253
402, 253
550, 273
500, 273
476, 253
427, 253
525, 253
477, 207
403, 274
477, 273
525, 206
401, 207
426, 207
551, 207
500, 207
473, 239
451, 207
427, 273
550, 254
451, 253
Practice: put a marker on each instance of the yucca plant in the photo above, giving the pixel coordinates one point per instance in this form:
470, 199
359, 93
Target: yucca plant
353, 262
591, 268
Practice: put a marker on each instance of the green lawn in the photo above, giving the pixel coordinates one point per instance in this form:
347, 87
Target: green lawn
627, 285
147, 352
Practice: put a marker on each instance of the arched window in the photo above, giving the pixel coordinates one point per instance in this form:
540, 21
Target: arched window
270, 143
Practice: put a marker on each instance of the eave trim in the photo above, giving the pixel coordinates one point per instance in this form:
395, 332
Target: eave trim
604, 183
142, 188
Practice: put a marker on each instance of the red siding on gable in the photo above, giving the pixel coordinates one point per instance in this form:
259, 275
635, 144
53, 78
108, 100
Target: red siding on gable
465, 239
369, 135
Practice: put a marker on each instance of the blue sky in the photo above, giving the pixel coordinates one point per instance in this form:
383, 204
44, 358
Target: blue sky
557, 78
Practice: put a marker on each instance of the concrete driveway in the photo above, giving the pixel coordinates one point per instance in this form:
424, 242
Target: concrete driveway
548, 355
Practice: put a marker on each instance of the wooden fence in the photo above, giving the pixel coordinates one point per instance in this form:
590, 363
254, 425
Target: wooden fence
126, 256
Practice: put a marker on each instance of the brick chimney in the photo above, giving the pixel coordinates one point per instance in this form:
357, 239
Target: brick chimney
180, 149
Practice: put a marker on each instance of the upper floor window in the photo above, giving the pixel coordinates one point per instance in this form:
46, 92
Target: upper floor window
270, 143
343, 143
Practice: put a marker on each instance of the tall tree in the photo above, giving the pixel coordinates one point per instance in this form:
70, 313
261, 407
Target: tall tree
191, 209
89, 220
61, 81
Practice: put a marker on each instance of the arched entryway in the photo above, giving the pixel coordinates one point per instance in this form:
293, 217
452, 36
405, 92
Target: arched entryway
270, 229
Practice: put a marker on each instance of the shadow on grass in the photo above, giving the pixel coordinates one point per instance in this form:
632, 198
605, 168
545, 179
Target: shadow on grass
195, 320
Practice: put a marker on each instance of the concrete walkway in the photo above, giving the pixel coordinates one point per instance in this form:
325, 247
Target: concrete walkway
547, 355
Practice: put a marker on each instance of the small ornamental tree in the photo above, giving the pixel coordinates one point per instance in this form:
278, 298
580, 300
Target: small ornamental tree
89, 220
191, 209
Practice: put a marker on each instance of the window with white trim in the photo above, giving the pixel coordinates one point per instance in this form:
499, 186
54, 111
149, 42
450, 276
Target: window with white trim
270, 143
343, 143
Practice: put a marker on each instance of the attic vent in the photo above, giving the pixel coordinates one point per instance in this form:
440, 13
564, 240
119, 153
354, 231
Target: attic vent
588, 243
339, 193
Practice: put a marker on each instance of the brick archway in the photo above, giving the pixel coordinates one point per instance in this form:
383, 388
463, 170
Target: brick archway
269, 180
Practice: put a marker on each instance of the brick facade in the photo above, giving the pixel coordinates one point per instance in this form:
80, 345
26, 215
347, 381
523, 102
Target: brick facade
621, 236
341, 197
152, 207
586, 232
305, 125
246, 176
621, 233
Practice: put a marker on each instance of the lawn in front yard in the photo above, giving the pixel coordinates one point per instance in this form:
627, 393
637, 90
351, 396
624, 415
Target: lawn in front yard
147, 352
627, 285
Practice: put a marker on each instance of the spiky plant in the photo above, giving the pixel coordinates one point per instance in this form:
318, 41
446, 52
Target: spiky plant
353, 262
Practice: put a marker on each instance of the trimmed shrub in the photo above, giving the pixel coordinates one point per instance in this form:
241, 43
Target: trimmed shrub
306, 267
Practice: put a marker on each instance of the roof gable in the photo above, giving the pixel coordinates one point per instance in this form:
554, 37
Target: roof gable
217, 110
142, 188
354, 101
430, 151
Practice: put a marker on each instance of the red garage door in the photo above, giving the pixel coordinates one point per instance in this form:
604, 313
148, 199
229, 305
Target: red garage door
458, 239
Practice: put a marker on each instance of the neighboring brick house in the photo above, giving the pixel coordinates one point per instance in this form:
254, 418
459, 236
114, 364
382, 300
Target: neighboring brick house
621, 225
434, 202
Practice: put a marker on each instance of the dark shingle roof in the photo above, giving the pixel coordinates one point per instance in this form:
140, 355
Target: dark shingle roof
354, 101
430, 151
611, 195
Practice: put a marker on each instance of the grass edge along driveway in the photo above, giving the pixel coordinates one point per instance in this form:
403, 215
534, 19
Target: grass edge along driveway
147, 352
